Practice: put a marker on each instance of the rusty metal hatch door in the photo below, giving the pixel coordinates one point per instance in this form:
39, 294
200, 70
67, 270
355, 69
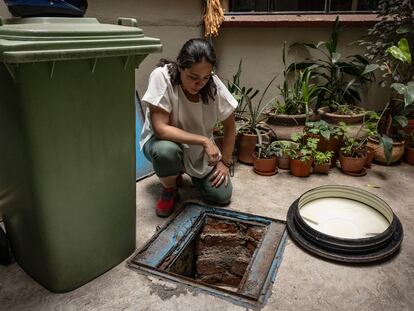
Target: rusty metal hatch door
188, 248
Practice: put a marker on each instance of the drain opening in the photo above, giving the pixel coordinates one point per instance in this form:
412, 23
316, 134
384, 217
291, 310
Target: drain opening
229, 254
220, 252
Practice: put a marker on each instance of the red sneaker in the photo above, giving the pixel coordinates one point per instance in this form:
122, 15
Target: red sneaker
166, 203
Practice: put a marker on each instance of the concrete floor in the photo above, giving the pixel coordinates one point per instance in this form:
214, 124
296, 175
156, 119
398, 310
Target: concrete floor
304, 282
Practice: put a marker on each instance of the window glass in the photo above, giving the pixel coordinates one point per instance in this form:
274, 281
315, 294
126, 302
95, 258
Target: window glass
298, 5
367, 5
354, 5
319, 6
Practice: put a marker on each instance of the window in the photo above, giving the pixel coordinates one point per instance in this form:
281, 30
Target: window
302, 6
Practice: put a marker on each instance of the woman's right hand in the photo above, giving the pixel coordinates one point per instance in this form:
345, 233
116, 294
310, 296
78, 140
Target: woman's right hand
212, 151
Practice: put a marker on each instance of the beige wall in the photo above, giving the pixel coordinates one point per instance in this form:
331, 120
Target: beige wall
172, 21
175, 21
261, 51
3, 10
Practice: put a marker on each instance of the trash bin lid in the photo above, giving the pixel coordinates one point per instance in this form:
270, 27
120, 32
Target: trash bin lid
38, 39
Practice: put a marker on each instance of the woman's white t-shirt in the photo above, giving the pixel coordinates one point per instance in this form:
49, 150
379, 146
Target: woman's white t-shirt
193, 117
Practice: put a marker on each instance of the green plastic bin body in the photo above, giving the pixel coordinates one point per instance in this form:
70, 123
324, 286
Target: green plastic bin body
67, 146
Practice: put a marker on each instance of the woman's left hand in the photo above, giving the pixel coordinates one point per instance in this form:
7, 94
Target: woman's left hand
219, 175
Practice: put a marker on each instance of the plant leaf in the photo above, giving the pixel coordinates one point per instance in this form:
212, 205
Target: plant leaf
336, 57
386, 143
402, 52
360, 58
299, 66
404, 29
369, 68
326, 134
409, 95
399, 87
308, 45
401, 120
405, 49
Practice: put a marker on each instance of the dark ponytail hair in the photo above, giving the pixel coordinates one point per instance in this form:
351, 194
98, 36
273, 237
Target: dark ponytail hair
194, 51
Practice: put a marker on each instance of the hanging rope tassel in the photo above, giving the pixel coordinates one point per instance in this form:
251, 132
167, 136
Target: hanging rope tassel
213, 17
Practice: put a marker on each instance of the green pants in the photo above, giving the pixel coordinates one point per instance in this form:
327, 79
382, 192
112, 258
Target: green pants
167, 159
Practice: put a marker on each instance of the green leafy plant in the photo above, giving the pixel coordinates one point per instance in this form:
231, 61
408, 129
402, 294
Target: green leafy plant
396, 65
283, 147
323, 157
254, 113
297, 97
305, 148
266, 150
402, 56
341, 78
396, 22
325, 129
240, 93
397, 68
354, 147
388, 45
370, 124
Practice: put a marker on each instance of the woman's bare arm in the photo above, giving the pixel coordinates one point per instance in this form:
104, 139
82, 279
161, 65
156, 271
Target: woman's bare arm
160, 120
229, 138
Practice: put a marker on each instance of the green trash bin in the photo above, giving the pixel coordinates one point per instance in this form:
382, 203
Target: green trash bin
67, 144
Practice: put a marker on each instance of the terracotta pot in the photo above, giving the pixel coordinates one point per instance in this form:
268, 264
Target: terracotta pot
350, 164
321, 168
284, 132
379, 156
219, 140
287, 119
370, 157
336, 118
409, 154
246, 143
409, 129
333, 144
300, 168
265, 167
283, 163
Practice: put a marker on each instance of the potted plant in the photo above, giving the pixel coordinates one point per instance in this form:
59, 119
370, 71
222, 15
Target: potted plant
301, 156
409, 149
240, 93
264, 159
342, 79
389, 43
322, 162
296, 96
282, 152
330, 136
397, 64
248, 133
370, 126
352, 156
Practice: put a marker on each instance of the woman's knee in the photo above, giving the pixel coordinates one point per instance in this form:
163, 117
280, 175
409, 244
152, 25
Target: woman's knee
220, 195
166, 157
167, 152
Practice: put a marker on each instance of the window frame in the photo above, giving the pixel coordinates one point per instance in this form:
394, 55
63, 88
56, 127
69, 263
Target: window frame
325, 11
295, 19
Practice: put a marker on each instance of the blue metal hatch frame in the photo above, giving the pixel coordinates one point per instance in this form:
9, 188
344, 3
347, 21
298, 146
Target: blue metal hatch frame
171, 240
